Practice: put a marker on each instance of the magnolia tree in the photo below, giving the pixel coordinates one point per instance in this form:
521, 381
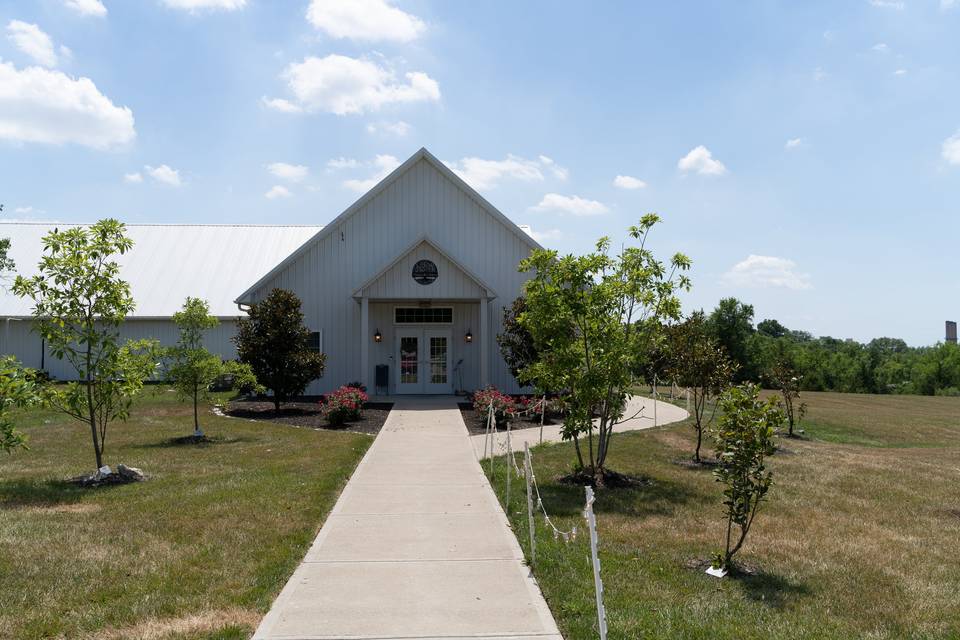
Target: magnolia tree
80, 302
697, 362
744, 438
590, 317
18, 388
785, 379
273, 340
191, 368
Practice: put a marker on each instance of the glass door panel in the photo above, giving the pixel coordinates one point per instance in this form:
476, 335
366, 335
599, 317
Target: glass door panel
438, 360
409, 360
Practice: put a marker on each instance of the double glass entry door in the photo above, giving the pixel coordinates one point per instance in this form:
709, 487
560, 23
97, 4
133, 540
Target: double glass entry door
423, 361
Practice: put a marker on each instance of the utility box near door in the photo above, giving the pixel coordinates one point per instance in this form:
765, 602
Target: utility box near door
381, 378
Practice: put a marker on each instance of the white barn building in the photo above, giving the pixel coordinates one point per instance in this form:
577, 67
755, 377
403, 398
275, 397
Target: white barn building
413, 276
411, 281
168, 262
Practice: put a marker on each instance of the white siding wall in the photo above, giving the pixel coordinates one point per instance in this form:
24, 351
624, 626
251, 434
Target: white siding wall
17, 339
420, 202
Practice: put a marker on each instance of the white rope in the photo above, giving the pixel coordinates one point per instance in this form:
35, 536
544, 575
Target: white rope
507, 449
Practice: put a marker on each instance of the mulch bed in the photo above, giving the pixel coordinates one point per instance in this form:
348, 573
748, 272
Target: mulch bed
307, 414
477, 422
611, 480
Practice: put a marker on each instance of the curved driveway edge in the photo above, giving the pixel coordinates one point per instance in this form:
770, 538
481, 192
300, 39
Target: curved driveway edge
417, 546
667, 413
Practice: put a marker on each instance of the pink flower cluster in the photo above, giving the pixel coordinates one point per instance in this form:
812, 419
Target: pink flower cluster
507, 407
343, 405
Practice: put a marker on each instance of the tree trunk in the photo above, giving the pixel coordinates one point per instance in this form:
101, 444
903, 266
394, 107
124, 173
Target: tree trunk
197, 431
276, 403
97, 450
696, 454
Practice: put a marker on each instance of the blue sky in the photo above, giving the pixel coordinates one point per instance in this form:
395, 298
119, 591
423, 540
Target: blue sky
806, 155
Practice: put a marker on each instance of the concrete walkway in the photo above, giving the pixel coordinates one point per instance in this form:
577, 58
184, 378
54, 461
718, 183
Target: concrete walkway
637, 406
417, 546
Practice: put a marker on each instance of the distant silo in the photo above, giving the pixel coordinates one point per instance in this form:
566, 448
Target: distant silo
951, 331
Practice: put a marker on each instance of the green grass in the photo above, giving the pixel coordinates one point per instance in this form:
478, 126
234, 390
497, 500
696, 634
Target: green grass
198, 551
860, 537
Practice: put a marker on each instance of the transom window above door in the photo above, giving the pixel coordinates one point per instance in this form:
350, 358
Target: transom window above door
423, 315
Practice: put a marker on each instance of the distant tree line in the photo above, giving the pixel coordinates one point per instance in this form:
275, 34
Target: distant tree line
883, 365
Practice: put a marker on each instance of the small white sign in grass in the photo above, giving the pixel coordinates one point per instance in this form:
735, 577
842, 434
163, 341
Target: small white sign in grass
717, 572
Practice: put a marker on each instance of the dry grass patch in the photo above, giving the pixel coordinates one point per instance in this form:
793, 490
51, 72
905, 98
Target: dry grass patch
857, 540
209, 539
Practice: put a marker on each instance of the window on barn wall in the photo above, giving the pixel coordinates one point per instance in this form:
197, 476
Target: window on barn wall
315, 341
423, 315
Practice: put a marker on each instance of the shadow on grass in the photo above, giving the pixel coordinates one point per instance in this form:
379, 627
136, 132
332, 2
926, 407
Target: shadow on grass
18, 494
770, 589
187, 442
655, 497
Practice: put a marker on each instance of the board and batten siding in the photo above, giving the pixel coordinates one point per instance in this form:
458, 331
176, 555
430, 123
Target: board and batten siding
18, 339
420, 202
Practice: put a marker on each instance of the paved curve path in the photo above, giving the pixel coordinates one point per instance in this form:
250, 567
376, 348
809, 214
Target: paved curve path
417, 546
639, 413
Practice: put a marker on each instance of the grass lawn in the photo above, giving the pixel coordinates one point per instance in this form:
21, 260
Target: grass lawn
198, 551
860, 537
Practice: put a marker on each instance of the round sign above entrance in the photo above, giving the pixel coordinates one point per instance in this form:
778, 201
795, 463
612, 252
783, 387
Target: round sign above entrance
424, 271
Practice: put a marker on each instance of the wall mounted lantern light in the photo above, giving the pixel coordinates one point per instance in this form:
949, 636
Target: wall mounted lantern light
468, 338
377, 336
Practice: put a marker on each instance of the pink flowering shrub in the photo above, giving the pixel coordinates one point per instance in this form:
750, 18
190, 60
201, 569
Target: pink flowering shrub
503, 407
343, 405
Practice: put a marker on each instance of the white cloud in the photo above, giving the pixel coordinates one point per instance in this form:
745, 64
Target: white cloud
629, 182
31, 40
134, 178
291, 172
819, 74
194, 6
93, 8
888, 4
383, 164
767, 271
277, 191
574, 205
25, 210
794, 143
484, 174
947, 4
41, 105
367, 20
342, 85
701, 160
399, 128
900, 72
279, 104
164, 175
951, 149
561, 173
541, 236
881, 47
344, 163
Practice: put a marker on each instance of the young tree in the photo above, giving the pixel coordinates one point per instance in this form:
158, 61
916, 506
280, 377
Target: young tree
6, 262
699, 364
18, 388
192, 368
783, 377
79, 303
590, 317
273, 340
744, 438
